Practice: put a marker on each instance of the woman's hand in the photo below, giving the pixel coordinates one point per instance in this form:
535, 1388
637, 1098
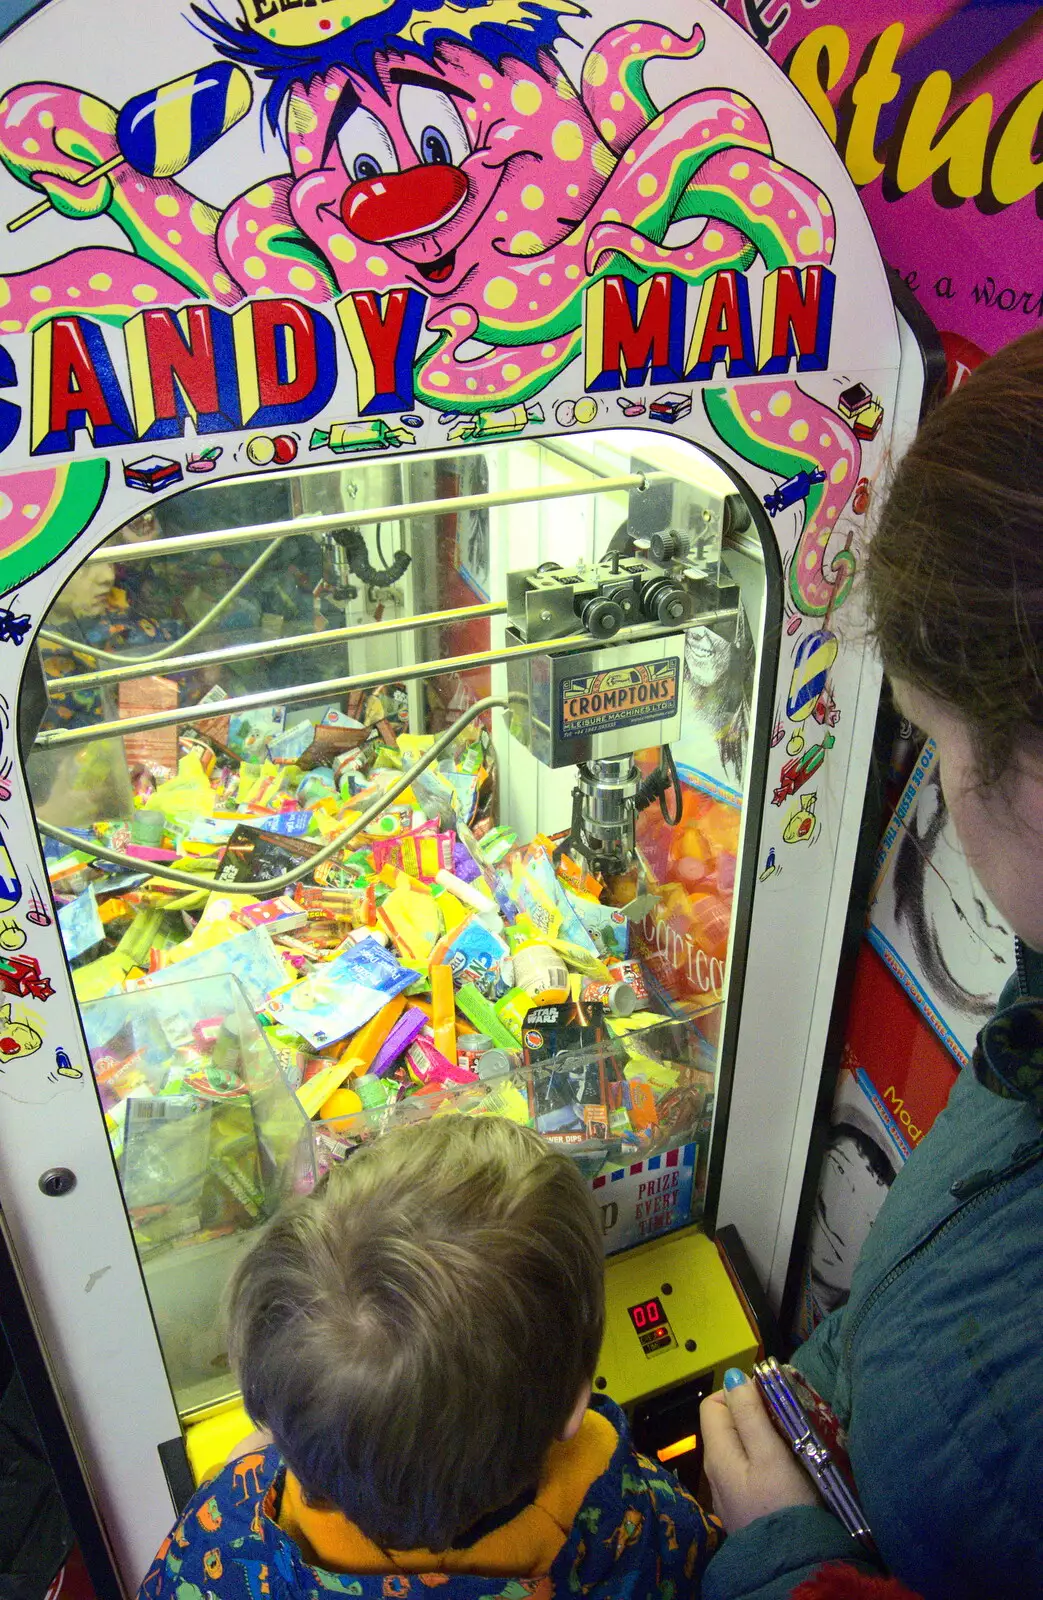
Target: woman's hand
751, 1470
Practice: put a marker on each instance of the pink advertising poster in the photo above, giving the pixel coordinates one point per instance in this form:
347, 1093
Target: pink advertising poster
936, 109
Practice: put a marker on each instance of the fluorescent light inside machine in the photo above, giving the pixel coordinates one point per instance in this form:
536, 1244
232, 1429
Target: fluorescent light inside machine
680, 1447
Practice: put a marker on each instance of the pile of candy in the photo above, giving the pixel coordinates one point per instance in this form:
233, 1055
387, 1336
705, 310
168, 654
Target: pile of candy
431, 964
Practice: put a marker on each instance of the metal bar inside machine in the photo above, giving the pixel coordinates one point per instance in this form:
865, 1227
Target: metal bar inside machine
150, 549
267, 647
302, 693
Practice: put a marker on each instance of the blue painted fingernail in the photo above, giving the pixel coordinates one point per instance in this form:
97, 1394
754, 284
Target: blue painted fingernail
733, 1377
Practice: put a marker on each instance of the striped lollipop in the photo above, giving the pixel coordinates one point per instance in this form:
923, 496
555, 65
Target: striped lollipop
815, 656
162, 130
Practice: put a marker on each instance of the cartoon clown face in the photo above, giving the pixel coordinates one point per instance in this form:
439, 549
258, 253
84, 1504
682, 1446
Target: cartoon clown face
431, 170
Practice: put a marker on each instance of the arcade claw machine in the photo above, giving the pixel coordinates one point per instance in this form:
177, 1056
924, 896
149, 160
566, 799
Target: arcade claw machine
436, 452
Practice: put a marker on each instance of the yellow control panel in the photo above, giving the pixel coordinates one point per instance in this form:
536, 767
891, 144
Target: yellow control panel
672, 1313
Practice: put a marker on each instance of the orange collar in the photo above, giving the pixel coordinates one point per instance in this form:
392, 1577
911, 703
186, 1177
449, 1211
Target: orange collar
524, 1547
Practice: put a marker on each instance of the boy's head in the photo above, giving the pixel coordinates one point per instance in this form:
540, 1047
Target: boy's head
418, 1331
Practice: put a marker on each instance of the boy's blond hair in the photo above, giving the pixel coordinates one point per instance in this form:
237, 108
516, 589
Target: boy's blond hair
417, 1332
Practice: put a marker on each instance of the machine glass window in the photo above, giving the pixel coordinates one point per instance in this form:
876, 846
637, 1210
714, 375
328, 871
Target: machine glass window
375, 791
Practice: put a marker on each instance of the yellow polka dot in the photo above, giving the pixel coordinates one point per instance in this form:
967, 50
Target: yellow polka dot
472, 115
459, 317
808, 240
811, 561
5, 293
332, 91
471, 383
572, 190
501, 216
31, 146
97, 115
608, 129
603, 161
544, 279
73, 292
549, 351
740, 100
173, 237
791, 215
564, 90
799, 432
617, 101
532, 197
511, 372
526, 243
440, 380
611, 215
637, 245
303, 155
145, 293
262, 196
485, 80
378, 267
824, 206
252, 224
254, 267
30, 511
760, 194
738, 123
824, 440
713, 239
302, 118
838, 471
526, 97
222, 282
572, 271
203, 219
45, 119
780, 403
40, 294
100, 280
647, 184
774, 166
740, 170
756, 416
500, 293
301, 278
829, 244
167, 206
11, 327
534, 305
595, 71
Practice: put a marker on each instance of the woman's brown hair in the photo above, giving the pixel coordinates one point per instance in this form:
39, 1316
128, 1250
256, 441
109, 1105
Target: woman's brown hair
955, 568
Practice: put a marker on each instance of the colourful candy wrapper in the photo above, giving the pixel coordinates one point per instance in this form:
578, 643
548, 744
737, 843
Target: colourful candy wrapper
338, 998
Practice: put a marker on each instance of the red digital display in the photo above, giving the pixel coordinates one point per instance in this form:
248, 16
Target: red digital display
647, 1314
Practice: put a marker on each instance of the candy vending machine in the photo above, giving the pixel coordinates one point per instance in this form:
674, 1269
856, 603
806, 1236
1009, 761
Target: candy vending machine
436, 453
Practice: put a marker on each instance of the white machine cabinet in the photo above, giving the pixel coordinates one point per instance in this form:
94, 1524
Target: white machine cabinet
488, 286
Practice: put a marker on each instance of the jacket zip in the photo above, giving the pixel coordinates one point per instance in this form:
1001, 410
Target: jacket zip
986, 1191
1022, 968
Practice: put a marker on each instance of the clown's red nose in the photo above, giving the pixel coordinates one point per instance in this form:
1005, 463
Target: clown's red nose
400, 205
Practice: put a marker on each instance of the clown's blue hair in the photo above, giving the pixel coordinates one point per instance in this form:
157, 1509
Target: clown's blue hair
354, 49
